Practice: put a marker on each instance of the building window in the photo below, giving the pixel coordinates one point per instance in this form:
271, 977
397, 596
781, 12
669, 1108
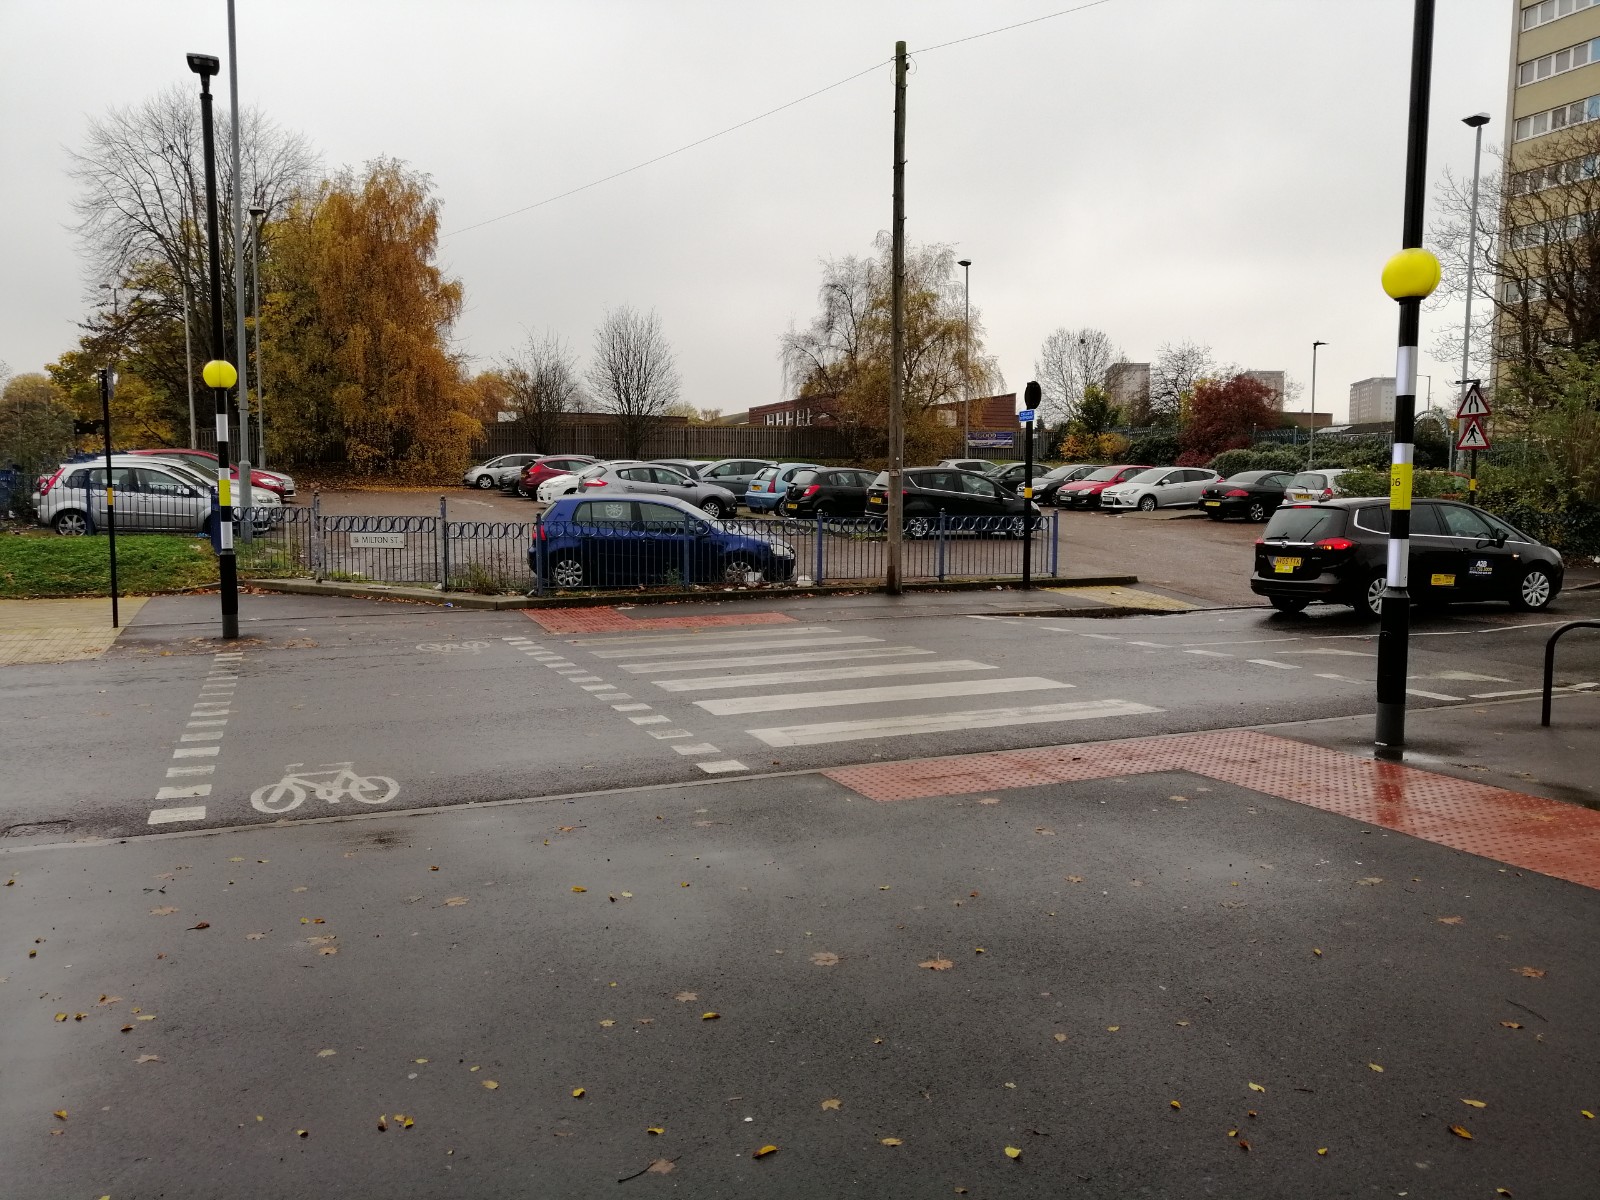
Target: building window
1540, 123
1543, 13
1558, 62
1573, 170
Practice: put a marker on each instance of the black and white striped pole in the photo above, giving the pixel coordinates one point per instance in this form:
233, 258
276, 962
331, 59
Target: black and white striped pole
1409, 278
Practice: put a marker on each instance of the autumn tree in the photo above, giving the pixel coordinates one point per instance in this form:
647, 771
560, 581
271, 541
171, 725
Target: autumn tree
1223, 414
634, 374
361, 316
1173, 376
35, 428
1070, 362
544, 386
1096, 413
845, 352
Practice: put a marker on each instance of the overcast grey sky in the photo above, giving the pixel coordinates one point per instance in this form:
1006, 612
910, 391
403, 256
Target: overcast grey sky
1222, 170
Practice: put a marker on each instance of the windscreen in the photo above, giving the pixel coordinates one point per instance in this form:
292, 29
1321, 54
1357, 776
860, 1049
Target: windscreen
1103, 474
1306, 524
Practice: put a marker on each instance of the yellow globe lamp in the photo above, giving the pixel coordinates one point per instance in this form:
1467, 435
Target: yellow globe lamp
1411, 275
219, 373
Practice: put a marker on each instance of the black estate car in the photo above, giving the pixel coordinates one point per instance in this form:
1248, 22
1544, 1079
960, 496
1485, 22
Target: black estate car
1336, 552
827, 492
969, 502
1254, 495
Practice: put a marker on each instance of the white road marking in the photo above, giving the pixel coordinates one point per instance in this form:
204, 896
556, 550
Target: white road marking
180, 772
612, 696
1431, 695
190, 791
1267, 662
560, 662
697, 748
777, 678
1156, 645
707, 636
166, 816
584, 678
1105, 637
212, 736
597, 687
1209, 653
852, 731
1340, 653
1343, 678
208, 721
657, 719
763, 660
734, 705
1512, 692
1468, 677
650, 651
631, 707
663, 734
196, 751
722, 766
1249, 641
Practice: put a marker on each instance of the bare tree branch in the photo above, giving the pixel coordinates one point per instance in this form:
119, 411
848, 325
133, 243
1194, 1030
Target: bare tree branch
634, 374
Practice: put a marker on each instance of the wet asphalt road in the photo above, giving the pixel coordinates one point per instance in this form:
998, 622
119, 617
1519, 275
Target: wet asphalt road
457, 706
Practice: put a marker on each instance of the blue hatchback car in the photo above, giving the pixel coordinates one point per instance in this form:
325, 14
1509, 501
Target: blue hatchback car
766, 489
584, 541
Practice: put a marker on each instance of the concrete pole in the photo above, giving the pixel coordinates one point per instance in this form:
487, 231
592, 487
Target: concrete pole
897, 339
239, 355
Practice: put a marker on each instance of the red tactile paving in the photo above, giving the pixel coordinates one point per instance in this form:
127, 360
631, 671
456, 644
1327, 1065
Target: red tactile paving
1561, 840
609, 620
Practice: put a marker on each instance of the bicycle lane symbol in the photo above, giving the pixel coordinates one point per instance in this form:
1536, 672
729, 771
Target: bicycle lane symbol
335, 781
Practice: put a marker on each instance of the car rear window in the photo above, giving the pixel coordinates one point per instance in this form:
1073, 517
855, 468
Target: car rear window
1309, 479
769, 473
1305, 524
880, 480
1102, 474
801, 478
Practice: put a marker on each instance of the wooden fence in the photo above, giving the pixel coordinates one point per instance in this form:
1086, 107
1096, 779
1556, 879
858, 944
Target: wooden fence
779, 443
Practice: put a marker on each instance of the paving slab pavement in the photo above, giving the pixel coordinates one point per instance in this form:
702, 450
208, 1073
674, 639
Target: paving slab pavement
1150, 984
52, 631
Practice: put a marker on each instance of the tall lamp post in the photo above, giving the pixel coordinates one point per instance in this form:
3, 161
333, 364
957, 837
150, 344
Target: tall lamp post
966, 358
238, 274
255, 294
219, 374
1475, 122
1311, 436
1408, 278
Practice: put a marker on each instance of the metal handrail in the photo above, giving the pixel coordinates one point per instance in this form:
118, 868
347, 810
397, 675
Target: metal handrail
1550, 661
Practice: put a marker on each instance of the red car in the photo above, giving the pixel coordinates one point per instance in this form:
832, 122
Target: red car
276, 482
1085, 492
548, 467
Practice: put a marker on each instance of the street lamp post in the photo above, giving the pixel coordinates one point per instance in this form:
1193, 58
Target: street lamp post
1408, 278
238, 275
1475, 122
219, 374
1311, 434
188, 366
966, 358
255, 294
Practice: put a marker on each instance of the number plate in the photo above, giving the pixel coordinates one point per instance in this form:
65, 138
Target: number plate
1213, 503
1286, 566
874, 499
1443, 581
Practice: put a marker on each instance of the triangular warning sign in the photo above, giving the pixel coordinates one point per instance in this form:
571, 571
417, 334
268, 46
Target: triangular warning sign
1472, 404
1472, 436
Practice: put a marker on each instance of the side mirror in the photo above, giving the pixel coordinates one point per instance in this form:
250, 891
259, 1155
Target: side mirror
1499, 541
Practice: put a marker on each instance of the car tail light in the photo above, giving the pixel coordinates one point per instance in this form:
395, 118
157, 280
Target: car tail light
45, 487
812, 489
1236, 492
1327, 493
594, 483
1261, 541
1336, 543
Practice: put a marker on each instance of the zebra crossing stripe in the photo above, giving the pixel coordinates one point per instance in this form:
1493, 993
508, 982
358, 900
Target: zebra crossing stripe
701, 648
772, 660
853, 731
779, 702
706, 637
778, 678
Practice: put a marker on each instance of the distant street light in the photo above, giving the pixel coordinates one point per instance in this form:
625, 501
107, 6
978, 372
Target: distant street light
1311, 438
1475, 122
966, 359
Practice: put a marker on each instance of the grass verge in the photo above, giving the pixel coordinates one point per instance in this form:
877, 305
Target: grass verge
46, 565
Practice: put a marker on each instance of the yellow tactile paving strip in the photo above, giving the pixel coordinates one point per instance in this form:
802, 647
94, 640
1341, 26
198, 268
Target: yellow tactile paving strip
55, 631
1123, 597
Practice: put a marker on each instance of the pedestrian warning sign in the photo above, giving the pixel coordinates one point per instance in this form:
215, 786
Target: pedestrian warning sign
1472, 436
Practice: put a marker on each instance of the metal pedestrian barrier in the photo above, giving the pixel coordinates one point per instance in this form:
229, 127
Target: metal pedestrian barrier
1550, 662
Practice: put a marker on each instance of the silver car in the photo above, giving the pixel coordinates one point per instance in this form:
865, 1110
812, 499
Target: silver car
1159, 487
735, 474
651, 480
152, 495
497, 471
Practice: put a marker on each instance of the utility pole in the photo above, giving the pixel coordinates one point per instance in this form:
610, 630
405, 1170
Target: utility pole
1033, 396
1409, 278
966, 359
260, 215
1311, 440
106, 384
897, 337
188, 363
245, 529
1476, 122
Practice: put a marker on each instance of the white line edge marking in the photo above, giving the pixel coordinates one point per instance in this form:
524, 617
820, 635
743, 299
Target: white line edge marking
167, 816
849, 731
728, 706
191, 791
1431, 695
1267, 662
698, 748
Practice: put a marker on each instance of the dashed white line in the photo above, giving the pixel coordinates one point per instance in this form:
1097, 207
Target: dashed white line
196, 751
656, 719
597, 687
1268, 662
1502, 695
698, 748
722, 766
191, 791
1431, 695
630, 707
669, 733
1209, 653
181, 772
167, 816
210, 736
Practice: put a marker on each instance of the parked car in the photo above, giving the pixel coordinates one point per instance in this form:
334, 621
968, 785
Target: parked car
1085, 491
1011, 475
980, 465
1336, 551
683, 466
735, 474
712, 499
631, 540
1253, 495
766, 489
151, 495
1315, 486
204, 461
1052, 481
548, 467
1159, 487
827, 492
960, 495
496, 471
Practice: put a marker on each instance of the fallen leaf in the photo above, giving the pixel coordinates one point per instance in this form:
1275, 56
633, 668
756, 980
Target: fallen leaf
1502, 1191
1112, 1028
1256, 1087
127, 1029
710, 1016
383, 1125
326, 1053
299, 889
1587, 1113
419, 1060
565, 828
831, 1104
1512, 1024
457, 901
144, 1058
1012, 1086
328, 950
990, 800
1323, 1151
1375, 1067
236, 858
1474, 1103
576, 888
660, 1166
1060, 1037
305, 1133
825, 958
490, 1084
685, 997
61, 1016
146, 1017
1041, 830
60, 1114
1450, 920
1316, 951
577, 1093
1074, 878
937, 964
890, 1142
166, 910
1244, 1145
629, 896
254, 937
1460, 1132
685, 884
1530, 972
474, 1068
1013, 1152
655, 1130
979, 950
764, 1151
607, 1024
433, 868
1370, 880
1183, 1024
1175, 1104
201, 925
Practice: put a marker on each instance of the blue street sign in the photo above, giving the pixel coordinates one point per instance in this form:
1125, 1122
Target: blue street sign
1026, 415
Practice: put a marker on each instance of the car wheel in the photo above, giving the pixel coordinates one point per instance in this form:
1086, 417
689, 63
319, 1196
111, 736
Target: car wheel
484, 482
70, 524
1372, 598
1147, 504
1534, 592
1258, 511
919, 526
1288, 604
738, 570
712, 508
824, 512
567, 571
522, 491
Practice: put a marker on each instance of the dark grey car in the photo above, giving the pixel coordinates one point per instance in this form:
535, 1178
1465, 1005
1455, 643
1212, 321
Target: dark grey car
735, 474
684, 466
651, 480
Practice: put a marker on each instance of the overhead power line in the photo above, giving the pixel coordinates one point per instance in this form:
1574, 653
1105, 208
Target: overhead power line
711, 137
